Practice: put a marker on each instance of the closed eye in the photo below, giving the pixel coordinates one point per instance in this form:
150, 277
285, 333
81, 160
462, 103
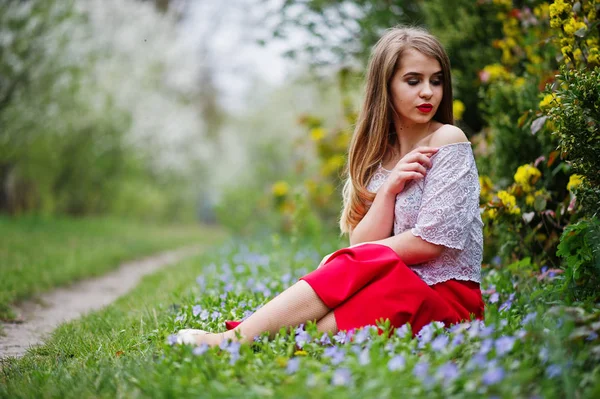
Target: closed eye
414, 82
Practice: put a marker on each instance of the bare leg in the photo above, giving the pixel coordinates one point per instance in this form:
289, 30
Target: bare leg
296, 305
327, 324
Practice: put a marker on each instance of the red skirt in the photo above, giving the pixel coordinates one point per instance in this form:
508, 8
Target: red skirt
370, 282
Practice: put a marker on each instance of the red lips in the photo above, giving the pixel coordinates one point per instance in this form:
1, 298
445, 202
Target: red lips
425, 108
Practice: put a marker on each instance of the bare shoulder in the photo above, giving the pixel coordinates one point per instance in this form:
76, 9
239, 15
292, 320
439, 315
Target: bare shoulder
447, 134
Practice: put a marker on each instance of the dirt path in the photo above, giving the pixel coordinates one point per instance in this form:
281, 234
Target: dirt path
64, 304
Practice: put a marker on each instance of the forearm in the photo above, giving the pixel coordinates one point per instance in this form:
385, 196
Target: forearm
378, 222
411, 249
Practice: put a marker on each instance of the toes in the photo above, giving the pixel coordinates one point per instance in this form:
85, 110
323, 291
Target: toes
188, 336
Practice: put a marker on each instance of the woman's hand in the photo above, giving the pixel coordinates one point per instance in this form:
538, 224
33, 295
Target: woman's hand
413, 166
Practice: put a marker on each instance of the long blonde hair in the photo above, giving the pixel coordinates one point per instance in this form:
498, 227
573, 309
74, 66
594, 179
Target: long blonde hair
374, 132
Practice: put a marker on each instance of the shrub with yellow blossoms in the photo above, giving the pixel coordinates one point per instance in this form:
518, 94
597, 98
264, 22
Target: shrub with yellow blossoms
576, 23
526, 176
458, 109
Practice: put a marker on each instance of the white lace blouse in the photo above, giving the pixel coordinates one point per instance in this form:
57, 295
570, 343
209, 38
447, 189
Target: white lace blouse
443, 208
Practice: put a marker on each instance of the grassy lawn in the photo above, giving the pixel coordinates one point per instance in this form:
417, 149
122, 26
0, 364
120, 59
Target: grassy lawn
38, 254
527, 347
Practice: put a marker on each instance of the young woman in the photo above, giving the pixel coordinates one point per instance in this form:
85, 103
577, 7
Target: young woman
411, 209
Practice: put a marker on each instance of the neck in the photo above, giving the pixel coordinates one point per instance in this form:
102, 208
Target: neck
408, 136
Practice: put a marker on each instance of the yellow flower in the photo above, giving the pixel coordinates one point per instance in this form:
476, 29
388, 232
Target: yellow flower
491, 213
509, 202
458, 109
280, 188
566, 50
281, 361
572, 26
574, 181
333, 164
529, 199
526, 175
317, 134
300, 353
549, 101
506, 3
559, 8
493, 72
542, 11
485, 183
520, 82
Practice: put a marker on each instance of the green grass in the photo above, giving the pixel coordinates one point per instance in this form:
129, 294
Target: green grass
122, 351
38, 254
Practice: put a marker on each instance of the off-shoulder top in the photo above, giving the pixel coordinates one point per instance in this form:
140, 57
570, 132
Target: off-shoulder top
443, 208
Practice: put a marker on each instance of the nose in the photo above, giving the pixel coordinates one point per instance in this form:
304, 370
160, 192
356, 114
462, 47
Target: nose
426, 91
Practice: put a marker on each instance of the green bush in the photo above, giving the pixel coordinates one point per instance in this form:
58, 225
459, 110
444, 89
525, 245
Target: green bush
580, 248
575, 114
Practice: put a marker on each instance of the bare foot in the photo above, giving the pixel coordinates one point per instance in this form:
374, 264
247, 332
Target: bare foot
191, 336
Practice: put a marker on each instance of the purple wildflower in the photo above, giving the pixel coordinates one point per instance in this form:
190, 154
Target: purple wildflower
494, 297
325, 340
439, 343
299, 329
543, 355
247, 313
196, 310
426, 334
554, 370
529, 318
293, 365
479, 360
521, 334
200, 350
403, 331
592, 336
341, 337
286, 278
421, 370
341, 376
504, 345
459, 327
508, 304
224, 344
475, 328
335, 354
486, 346
396, 363
457, 340
364, 357
363, 335
179, 318
215, 314
234, 351
172, 339
447, 372
302, 339
493, 375
204, 315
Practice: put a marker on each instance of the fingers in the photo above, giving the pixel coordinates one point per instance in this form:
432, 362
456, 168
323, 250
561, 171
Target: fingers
412, 167
420, 154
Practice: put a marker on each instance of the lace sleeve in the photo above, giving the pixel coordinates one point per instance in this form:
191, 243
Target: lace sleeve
450, 197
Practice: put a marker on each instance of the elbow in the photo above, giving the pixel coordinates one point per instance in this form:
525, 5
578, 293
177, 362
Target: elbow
435, 250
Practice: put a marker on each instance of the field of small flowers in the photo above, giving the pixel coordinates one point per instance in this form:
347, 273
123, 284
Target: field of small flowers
529, 345
525, 348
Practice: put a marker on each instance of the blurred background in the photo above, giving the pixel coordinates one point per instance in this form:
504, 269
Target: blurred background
240, 111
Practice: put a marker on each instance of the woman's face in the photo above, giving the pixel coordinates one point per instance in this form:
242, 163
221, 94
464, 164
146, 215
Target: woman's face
416, 88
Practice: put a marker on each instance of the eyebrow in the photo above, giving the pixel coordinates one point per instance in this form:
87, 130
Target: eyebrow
420, 74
